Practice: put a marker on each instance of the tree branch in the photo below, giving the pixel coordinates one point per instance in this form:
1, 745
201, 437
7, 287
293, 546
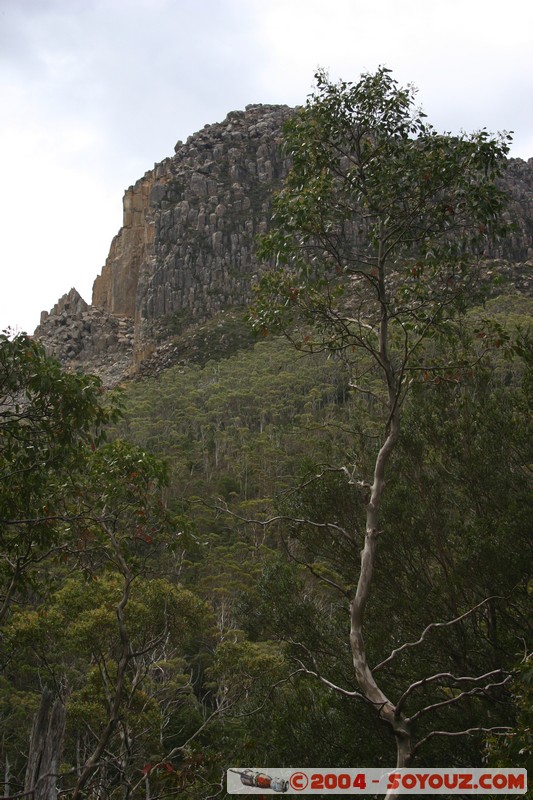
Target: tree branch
430, 627
442, 676
470, 693
498, 730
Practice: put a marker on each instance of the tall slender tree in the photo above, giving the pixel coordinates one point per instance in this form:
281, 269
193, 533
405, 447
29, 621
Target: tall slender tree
374, 253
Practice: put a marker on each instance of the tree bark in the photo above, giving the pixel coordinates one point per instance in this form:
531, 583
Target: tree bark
365, 678
7, 776
46, 747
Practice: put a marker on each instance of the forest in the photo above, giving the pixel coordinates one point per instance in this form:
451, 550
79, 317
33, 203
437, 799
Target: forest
314, 551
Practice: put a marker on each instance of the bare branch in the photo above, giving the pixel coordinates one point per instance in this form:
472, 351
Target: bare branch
444, 677
283, 518
369, 393
180, 748
123, 662
30, 792
498, 730
314, 572
477, 690
330, 685
316, 674
430, 627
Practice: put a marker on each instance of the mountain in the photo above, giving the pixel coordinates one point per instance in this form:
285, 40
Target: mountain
184, 261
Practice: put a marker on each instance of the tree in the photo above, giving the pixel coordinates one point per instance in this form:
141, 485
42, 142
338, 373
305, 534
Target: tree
375, 253
91, 613
49, 421
114, 652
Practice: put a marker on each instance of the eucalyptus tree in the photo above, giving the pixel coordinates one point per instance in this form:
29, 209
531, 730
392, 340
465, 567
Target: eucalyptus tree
374, 253
49, 421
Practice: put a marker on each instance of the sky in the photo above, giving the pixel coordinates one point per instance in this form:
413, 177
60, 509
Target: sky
94, 92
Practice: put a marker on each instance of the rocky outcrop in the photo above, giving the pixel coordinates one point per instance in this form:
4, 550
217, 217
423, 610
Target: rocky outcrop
518, 183
187, 245
207, 206
88, 338
187, 249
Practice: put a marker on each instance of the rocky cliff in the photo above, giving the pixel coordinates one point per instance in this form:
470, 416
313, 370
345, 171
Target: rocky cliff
186, 251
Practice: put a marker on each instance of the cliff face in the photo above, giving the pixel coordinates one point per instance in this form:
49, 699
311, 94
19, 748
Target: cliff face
186, 250
207, 214
115, 290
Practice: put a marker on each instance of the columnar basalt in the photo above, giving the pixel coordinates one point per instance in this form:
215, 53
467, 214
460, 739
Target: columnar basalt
207, 206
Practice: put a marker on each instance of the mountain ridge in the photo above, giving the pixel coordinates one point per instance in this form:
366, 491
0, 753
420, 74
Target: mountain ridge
186, 251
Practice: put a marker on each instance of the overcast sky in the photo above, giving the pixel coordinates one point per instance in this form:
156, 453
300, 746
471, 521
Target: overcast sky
93, 92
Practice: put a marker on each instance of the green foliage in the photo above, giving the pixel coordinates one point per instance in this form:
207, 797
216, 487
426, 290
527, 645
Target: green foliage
210, 340
258, 600
74, 642
461, 506
91, 607
237, 423
516, 748
463, 445
380, 218
50, 420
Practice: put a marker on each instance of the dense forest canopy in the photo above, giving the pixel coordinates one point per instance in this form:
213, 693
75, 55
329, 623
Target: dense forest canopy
315, 551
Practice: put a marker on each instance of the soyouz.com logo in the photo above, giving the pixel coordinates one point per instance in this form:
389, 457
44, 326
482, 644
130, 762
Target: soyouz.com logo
376, 781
